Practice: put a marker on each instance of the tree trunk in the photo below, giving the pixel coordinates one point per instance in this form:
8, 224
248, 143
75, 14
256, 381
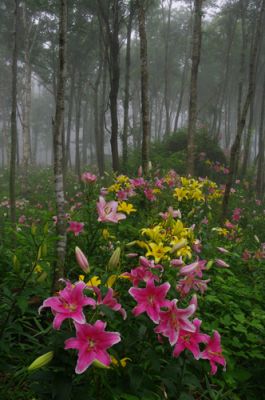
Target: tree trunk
127, 90
26, 102
248, 140
78, 101
261, 165
234, 156
13, 155
85, 129
144, 86
69, 120
101, 160
114, 86
166, 68
195, 60
58, 125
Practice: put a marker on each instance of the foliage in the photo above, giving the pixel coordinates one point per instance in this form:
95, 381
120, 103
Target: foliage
142, 367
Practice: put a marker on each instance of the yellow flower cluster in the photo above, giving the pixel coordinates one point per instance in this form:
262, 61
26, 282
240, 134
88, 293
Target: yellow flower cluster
167, 240
121, 182
191, 189
126, 207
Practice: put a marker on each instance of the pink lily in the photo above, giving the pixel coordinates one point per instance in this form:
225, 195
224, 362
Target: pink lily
191, 340
149, 194
92, 341
75, 227
107, 211
138, 182
185, 285
69, 304
213, 352
140, 274
109, 301
175, 319
150, 299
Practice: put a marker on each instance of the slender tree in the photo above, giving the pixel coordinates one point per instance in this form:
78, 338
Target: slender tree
234, 155
195, 60
13, 155
141, 6
110, 18
58, 126
261, 156
127, 87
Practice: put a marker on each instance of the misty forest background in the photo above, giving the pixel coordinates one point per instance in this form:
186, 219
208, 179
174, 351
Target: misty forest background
92, 94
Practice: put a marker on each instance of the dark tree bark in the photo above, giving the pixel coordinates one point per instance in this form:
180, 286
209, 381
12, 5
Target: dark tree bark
232, 23
144, 85
102, 111
13, 155
127, 89
261, 164
69, 120
78, 101
58, 125
166, 69
85, 128
234, 156
195, 60
111, 37
248, 140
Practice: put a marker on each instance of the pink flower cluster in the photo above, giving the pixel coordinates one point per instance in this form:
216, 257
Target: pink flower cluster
173, 322
91, 341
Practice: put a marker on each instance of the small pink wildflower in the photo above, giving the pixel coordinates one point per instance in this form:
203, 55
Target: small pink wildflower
75, 227
92, 341
22, 219
138, 182
159, 183
170, 213
107, 211
236, 214
69, 304
88, 177
246, 255
150, 299
213, 352
149, 194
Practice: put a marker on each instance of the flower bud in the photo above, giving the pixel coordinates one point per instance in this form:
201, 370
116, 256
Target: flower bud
99, 364
82, 260
41, 361
115, 258
179, 245
221, 263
